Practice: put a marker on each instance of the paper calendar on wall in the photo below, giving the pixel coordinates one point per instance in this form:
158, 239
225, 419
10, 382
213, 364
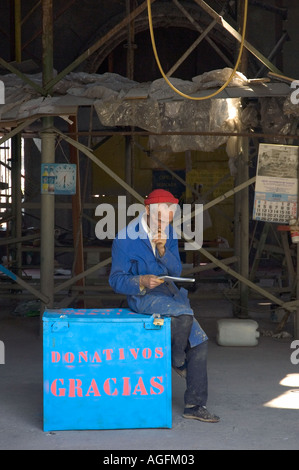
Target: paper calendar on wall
276, 188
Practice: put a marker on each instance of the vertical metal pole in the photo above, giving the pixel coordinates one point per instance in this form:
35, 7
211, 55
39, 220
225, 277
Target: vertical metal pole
129, 152
296, 314
244, 229
47, 156
47, 41
243, 200
18, 36
244, 195
279, 34
237, 230
47, 220
130, 4
78, 264
16, 200
128, 164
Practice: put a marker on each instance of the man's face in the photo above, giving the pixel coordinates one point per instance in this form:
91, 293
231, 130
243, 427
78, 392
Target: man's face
159, 216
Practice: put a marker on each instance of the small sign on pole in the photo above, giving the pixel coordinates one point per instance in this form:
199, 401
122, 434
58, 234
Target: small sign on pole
58, 178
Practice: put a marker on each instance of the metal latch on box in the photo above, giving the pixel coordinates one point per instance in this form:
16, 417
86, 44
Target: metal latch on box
155, 323
158, 321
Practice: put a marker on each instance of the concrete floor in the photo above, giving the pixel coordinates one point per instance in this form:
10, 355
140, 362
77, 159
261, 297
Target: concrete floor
242, 381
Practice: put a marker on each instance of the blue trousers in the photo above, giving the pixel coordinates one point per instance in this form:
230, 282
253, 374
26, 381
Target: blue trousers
195, 360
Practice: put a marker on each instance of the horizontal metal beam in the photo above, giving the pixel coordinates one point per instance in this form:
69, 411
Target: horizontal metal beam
10, 241
252, 135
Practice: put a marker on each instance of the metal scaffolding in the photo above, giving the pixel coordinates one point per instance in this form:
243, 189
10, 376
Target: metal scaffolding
49, 133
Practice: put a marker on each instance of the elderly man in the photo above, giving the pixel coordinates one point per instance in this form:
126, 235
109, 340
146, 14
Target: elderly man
141, 253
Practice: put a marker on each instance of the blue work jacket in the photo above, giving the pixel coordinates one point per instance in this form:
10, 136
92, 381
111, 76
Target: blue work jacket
133, 256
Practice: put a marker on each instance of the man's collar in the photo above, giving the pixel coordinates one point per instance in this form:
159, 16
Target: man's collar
145, 226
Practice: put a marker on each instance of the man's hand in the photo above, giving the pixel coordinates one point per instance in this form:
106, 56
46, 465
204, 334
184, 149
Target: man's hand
160, 239
150, 281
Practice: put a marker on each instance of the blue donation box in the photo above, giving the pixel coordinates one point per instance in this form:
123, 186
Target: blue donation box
106, 369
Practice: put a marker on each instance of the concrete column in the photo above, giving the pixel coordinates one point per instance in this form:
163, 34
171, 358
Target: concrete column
47, 156
47, 219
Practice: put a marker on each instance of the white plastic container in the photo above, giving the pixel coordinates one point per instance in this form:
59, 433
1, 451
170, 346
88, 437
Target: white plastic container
294, 233
237, 332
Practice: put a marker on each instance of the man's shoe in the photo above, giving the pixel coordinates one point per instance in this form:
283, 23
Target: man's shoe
200, 413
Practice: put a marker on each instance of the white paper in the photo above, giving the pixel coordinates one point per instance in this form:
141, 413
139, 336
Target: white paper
178, 279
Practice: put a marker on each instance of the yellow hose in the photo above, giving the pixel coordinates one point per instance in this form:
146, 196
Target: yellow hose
150, 20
